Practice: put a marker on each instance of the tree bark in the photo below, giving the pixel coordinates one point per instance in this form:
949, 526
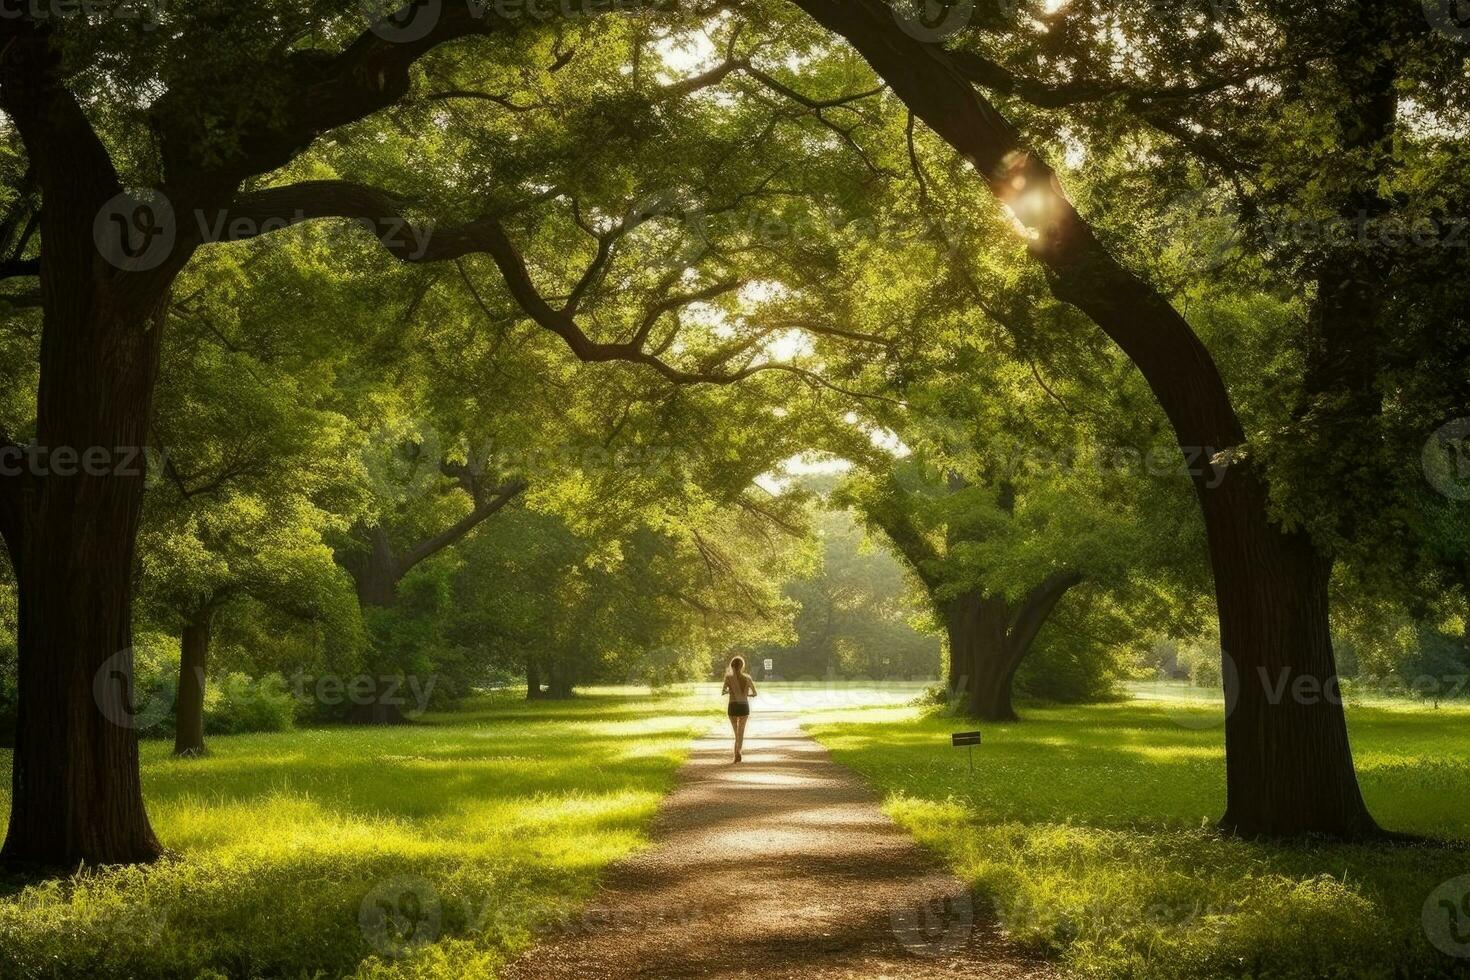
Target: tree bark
193, 669
990, 688
76, 793
956, 676
559, 686
376, 574
993, 639
1288, 761
533, 680
961, 627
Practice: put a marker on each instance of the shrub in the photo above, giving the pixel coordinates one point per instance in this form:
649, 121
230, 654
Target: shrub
1075, 659
236, 703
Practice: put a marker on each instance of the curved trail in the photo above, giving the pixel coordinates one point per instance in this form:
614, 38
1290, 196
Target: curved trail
781, 866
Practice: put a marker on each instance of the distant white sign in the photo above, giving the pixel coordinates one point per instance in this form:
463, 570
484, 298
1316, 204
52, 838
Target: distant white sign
770, 664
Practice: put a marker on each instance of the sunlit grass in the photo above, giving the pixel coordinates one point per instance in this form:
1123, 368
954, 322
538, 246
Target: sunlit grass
1088, 830
477, 826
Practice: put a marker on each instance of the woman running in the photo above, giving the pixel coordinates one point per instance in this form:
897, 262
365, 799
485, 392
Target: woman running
741, 689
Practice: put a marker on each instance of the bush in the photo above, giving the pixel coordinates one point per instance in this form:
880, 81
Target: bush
236, 703
1075, 659
1201, 659
233, 703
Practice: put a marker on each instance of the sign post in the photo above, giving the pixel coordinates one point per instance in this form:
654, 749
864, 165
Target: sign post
969, 740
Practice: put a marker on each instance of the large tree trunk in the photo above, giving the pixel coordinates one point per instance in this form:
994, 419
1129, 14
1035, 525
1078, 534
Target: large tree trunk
1288, 761
976, 626
958, 630
376, 573
76, 794
994, 698
193, 667
560, 684
533, 680
1288, 765
990, 667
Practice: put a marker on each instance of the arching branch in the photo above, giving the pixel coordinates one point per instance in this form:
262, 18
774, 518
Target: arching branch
325, 91
483, 511
278, 207
917, 551
1036, 607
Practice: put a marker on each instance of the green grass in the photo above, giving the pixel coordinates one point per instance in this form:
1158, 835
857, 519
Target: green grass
316, 853
473, 828
1087, 829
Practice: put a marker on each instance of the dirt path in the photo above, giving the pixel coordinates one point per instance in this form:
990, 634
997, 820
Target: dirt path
781, 866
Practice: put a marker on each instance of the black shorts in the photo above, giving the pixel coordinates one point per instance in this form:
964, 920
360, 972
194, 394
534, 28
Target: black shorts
739, 709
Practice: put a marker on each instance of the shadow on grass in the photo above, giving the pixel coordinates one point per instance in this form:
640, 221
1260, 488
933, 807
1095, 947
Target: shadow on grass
284, 844
1091, 831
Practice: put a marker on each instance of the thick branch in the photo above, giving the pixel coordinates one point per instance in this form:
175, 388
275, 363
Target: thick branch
20, 267
1035, 609
915, 549
432, 546
1082, 272
278, 207
324, 91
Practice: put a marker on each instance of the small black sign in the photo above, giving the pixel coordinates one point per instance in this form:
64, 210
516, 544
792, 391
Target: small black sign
965, 738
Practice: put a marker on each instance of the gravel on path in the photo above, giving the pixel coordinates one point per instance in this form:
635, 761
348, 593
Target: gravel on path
780, 866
